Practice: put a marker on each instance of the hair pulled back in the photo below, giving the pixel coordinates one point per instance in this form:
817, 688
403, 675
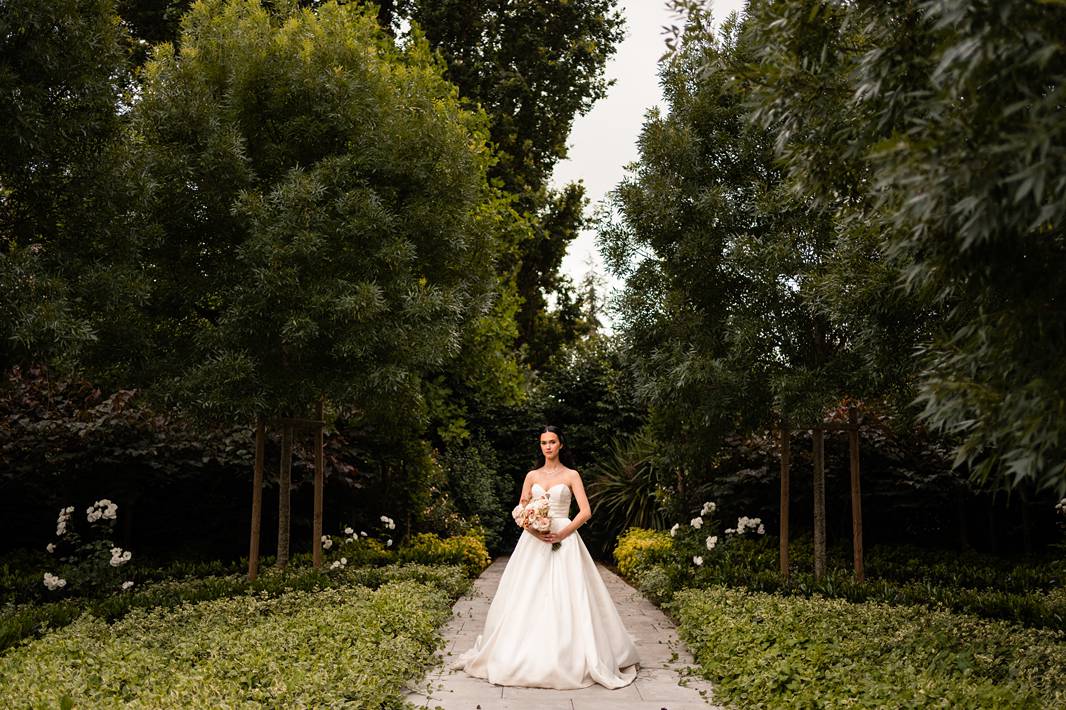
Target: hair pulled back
565, 457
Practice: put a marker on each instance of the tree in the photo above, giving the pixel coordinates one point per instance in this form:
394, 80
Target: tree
62, 77
319, 218
946, 131
725, 268
533, 66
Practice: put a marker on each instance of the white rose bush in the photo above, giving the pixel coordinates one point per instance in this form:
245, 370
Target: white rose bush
85, 559
688, 553
359, 547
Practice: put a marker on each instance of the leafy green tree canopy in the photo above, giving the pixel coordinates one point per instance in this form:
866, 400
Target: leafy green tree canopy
945, 120
725, 268
62, 78
318, 220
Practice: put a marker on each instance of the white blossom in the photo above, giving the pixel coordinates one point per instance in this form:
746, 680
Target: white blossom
712, 541
348, 531
61, 521
51, 547
327, 542
126, 585
708, 508
696, 523
118, 557
104, 509
744, 523
673, 530
729, 531
698, 561
363, 533
53, 582
1061, 507
388, 543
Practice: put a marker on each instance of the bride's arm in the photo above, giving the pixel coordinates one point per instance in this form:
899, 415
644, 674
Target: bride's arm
527, 489
584, 509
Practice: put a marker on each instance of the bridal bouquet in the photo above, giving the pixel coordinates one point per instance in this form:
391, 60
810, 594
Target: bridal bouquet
534, 516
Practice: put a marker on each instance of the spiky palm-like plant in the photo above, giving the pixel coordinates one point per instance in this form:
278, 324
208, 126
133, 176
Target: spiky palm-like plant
624, 487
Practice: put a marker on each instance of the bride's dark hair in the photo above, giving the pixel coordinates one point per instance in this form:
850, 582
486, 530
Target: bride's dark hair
565, 457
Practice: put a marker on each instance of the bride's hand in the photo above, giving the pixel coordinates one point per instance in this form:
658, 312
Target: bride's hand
555, 537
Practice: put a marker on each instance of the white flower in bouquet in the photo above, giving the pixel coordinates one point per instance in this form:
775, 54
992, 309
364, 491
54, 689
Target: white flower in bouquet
712, 541
53, 582
673, 530
534, 515
696, 523
698, 561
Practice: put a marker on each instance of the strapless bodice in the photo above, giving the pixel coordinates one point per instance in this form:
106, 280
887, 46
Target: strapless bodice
558, 500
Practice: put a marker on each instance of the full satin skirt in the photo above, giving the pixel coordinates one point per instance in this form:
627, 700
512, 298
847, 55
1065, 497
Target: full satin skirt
552, 623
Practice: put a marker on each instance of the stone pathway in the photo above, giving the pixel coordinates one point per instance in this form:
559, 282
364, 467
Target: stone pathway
663, 682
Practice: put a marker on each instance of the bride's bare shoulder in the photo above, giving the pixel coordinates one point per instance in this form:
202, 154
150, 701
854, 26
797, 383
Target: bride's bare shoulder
573, 474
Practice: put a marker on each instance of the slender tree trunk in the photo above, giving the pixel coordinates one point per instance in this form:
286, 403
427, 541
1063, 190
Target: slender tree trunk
257, 499
319, 486
284, 496
819, 504
785, 463
856, 494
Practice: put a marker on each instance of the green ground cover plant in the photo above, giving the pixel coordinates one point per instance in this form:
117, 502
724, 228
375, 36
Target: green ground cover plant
348, 646
22, 621
770, 651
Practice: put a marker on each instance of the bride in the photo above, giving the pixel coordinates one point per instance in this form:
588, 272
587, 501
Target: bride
552, 623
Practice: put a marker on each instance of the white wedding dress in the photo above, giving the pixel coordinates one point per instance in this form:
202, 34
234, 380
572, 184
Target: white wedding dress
552, 623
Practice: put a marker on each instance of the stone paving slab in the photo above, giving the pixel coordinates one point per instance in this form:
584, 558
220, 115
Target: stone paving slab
664, 680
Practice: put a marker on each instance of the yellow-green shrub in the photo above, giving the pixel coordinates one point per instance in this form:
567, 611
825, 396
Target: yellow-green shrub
639, 549
467, 550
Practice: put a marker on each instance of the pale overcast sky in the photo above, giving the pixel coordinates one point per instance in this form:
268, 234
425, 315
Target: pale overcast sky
603, 141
